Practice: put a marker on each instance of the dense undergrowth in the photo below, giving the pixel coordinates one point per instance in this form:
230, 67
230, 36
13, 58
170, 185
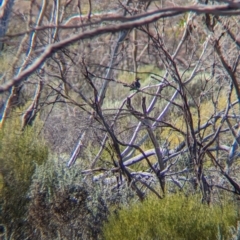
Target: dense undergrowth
20, 154
42, 199
174, 217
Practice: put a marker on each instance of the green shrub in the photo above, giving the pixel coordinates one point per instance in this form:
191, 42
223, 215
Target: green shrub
20, 153
63, 205
174, 217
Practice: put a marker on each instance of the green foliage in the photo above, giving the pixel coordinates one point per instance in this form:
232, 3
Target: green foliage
63, 205
44, 199
20, 153
174, 217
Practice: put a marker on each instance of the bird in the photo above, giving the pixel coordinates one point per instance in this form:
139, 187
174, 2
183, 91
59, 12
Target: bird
134, 85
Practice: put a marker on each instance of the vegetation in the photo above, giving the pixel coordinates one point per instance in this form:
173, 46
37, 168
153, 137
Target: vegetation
20, 154
79, 145
63, 205
174, 217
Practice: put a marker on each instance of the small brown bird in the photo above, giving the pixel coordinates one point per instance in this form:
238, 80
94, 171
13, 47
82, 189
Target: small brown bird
134, 85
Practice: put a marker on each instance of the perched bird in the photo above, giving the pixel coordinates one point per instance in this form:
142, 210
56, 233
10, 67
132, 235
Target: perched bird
134, 85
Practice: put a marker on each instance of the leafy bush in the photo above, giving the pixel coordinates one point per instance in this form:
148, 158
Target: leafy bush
66, 205
175, 217
20, 153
